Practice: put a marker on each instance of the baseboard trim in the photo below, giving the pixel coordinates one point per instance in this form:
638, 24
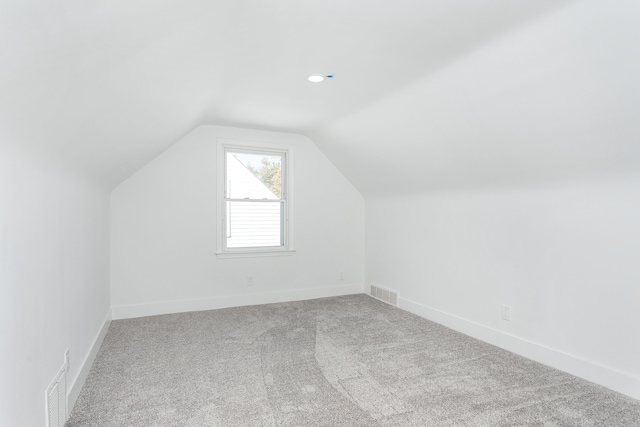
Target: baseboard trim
182, 306
613, 379
78, 382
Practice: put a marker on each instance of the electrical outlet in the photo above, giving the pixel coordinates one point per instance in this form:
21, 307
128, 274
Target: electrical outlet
506, 313
250, 281
341, 275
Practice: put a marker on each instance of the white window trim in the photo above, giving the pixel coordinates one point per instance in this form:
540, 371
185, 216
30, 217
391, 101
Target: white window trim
288, 249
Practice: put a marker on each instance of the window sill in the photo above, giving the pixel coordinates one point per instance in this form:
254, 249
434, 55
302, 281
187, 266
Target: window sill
255, 254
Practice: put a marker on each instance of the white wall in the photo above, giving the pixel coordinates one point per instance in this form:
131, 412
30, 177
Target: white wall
54, 281
163, 233
565, 257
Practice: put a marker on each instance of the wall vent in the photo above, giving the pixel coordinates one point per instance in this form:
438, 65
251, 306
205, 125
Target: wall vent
56, 396
385, 295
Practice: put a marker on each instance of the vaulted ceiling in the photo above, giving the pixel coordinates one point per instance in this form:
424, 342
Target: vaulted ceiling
427, 93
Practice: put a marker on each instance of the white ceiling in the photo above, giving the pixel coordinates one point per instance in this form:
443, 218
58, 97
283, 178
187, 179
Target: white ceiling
427, 94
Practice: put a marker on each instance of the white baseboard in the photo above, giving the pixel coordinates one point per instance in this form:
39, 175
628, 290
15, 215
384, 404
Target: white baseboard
78, 382
615, 380
182, 306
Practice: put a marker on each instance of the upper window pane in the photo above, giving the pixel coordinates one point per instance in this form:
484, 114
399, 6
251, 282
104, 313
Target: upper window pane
254, 176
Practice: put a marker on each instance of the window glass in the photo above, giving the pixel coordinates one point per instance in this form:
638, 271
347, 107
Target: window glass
254, 224
255, 205
253, 176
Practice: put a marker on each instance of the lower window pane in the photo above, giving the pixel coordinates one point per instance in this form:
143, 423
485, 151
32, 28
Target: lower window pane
254, 224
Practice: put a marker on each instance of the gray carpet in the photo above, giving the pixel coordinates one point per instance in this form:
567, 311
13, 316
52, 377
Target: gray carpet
345, 361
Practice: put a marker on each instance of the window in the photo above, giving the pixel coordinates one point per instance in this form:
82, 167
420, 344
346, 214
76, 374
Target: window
254, 199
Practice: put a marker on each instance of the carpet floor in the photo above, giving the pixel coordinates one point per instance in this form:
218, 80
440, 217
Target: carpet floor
344, 361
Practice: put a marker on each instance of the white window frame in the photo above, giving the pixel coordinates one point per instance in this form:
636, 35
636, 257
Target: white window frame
225, 145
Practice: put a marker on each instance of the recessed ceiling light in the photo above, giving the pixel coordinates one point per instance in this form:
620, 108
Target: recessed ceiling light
316, 78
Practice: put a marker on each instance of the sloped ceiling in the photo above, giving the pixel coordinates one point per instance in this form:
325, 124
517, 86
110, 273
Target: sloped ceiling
427, 93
